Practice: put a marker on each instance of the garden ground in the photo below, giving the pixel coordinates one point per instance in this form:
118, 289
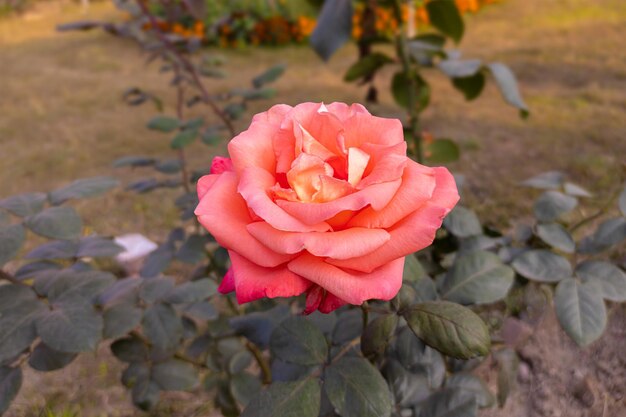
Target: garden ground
61, 118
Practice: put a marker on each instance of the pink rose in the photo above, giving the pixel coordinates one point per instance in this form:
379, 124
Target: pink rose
321, 199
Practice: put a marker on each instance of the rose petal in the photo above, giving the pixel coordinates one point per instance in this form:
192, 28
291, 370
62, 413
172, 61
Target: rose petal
387, 163
323, 127
275, 115
344, 244
363, 128
228, 282
253, 281
254, 147
353, 287
221, 164
378, 196
330, 303
204, 184
225, 215
254, 186
343, 112
418, 184
330, 189
415, 231
304, 175
357, 162
317, 298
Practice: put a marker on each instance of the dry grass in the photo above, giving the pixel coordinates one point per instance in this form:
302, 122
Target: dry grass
61, 115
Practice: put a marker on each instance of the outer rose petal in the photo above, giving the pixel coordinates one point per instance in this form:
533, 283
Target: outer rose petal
224, 214
275, 115
204, 184
353, 287
414, 232
221, 164
330, 303
378, 196
317, 298
364, 128
387, 163
253, 281
344, 244
418, 185
228, 282
343, 112
254, 147
254, 186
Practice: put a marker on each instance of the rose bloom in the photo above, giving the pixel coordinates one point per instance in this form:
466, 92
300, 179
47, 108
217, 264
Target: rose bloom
321, 199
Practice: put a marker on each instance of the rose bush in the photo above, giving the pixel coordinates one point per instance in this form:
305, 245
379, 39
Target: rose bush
321, 199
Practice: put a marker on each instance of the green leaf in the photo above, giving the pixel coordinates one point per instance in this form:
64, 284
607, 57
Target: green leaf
193, 250
400, 88
46, 359
451, 402
610, 279
450, 328
10, 384
357, 389
120, 319
299, 341
73, 326
542, 265
56, 223
416, 357
133, 161
175, 375
169, 166
610, 232
366, 66
553, 204
191, 292
235, 110
83, 188
408, 388
244, 388
11, 240
462, 222
445, 17
123, 290
472, 385
98, 247
163, 124
269, 76
508, 364
442, 151
157, 261
580, 310
377, 334
333, 28
146, 394
258, 326
460, 68
551, 180
211, 136
622, 201
477, 278
505, 80
86, 285
413, 269
556, 236
57, 249
184, 138
299, 398
155, 289
162, 326
203, 311
239, 362
24, 205
19, 310
130, 349
471, 86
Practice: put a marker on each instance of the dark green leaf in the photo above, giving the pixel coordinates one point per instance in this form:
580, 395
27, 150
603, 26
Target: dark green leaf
610, 279
442, 151
133, 161
477, 278
366, 66
445, 17
193, 250
82, 285
239, 362
19, 309
24, 205
164, 124
58, 249
413, 270
300, 398
471, 86
130, 349
474, 386
34, 268
348, 327
550, 180
556, 236
258, 327
357, 389
10, 384
169, 166
211, 136
202, 311
235, 110
542, 265
450, 328
451, 402
155, 289
120, 319
83, 188
418, 358
195, 123
175, 375
408, 388
505, 80
146, 394
191, 292
580, 310
184, 138
56, 223
333, 28
269, 76
508, 364
46, 359
162, 326
123, 290
552, 205
463, 222
401, 86
244, 388
157, 261
377, 334
11, 240
297, 340
98, 247
610, 232
135, 372
73, 326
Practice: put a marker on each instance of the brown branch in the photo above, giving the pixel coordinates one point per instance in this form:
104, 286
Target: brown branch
8, 277
263, 364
